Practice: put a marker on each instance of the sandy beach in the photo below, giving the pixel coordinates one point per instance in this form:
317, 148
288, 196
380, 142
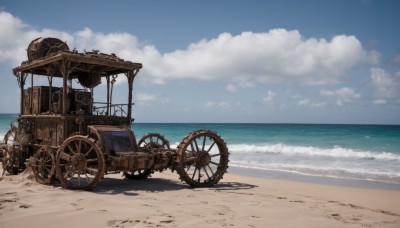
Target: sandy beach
164, 201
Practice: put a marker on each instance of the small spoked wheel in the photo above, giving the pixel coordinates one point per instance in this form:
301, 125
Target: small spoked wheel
44, 169
153, 141
147, 143
79, 163
202, 159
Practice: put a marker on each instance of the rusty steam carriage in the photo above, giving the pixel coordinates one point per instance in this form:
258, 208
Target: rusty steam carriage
62, 134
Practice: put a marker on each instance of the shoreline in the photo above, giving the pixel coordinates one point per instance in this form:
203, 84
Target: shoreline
313, 179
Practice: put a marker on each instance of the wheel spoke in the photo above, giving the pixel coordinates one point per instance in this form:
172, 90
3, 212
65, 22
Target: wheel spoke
80, 146
215, 155
199, 175
204, 143
92, 160
212, 162
191, 145
212, 172
194, 173
90, 150
70, 149
197, 146
212, 145
206, 172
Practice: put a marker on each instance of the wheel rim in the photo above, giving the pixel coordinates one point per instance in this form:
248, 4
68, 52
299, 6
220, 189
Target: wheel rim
44, 169
203, 159
79, 163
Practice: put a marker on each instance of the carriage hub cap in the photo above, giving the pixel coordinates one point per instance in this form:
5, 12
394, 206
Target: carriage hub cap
203, 159
78, 161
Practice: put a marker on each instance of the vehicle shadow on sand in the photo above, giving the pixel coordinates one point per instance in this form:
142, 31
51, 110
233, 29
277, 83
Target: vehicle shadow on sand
135, 187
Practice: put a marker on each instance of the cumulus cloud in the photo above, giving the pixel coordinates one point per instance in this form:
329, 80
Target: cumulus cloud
221, 105
309, 103
343, 95
242, 61
386, 86
146, 99
269, 98
275, 56
231, 88
15, 37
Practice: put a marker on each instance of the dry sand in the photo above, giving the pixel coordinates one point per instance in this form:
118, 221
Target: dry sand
163, 201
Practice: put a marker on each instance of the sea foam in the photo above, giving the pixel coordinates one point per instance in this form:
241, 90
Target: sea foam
336, 152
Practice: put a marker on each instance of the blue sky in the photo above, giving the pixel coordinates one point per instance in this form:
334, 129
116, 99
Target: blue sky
228, 61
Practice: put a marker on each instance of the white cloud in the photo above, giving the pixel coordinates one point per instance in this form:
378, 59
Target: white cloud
275, 56
386, 86
379, 101
242, 61
343, 95
15, 37
269, 98
218, 105
309, 103
231, 88
146, 99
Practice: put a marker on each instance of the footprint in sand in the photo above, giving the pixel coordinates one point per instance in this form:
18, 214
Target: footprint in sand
25, 206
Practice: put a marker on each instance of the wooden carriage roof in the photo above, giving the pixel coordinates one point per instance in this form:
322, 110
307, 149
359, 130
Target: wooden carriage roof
88, 62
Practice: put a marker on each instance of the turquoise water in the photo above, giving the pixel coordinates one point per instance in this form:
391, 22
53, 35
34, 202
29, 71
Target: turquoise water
363, 152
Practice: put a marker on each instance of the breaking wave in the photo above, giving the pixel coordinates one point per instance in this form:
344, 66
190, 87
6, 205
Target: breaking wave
335, 162
335, 152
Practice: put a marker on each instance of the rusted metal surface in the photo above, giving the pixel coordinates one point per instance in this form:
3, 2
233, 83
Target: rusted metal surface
42, 47
64, 135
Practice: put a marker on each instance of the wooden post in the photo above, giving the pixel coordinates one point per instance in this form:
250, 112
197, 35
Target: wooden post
108, 95
130, 84
21, 78
131, 77
50, 78
31, 101
65, 88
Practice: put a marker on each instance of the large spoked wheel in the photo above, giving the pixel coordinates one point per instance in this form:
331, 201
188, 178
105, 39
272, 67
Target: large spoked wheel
202, 159
147, 143
10, 159
79, 163
44, 168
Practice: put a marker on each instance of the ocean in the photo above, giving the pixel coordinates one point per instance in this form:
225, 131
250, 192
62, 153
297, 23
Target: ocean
351, 152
